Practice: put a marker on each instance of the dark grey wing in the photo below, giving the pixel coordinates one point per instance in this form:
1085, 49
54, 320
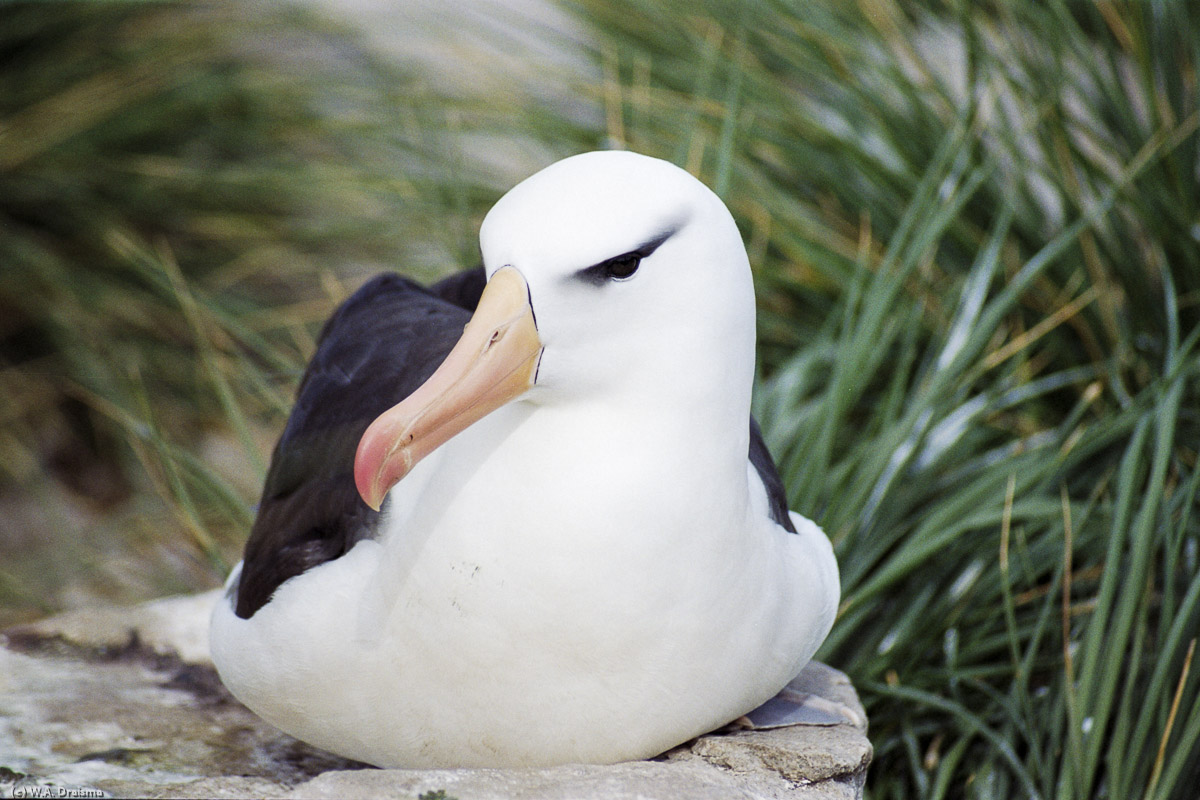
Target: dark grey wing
462, 288
760, 457
375, 350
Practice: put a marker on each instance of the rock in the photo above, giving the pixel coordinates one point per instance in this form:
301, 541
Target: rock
125, 701
635, 780
171, 626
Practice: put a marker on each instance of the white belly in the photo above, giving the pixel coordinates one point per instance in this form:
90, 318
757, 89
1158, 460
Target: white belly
494, 640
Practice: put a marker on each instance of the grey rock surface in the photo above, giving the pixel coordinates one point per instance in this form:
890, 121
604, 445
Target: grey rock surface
125, 701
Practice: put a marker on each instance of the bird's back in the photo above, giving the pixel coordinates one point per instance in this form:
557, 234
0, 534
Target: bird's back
379, 346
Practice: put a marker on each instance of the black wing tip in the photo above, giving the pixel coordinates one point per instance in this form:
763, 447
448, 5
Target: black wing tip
760, 457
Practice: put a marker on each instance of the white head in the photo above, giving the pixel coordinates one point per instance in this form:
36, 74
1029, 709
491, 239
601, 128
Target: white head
683, 319
613, 277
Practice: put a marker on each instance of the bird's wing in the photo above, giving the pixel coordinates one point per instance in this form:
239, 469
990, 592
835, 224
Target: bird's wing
375, 350
764, 465
463, 289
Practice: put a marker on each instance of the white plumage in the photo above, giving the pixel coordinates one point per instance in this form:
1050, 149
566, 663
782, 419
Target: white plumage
590, 572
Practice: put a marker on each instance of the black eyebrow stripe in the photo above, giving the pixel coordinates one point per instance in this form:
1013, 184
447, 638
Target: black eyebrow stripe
596, 274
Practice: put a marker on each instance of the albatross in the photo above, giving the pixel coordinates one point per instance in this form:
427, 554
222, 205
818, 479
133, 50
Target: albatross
524, 517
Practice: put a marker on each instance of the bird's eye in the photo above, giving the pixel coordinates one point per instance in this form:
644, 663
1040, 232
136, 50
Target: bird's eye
622, 267
619, 268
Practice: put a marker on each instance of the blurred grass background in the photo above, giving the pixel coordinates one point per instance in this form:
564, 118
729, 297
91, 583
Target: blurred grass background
975, 231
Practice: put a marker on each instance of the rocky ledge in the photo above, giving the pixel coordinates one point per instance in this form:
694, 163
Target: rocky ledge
124, 702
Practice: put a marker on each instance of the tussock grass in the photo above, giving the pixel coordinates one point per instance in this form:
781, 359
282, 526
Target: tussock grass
974, 229
186, 191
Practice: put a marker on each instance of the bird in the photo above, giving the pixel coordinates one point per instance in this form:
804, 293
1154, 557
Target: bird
523, 517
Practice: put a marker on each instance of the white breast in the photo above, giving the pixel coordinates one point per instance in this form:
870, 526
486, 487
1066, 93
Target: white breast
479, 631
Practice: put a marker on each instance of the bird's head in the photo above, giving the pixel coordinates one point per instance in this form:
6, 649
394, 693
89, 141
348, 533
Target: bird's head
611, 276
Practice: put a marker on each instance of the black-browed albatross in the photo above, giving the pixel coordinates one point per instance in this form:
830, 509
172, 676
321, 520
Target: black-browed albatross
581, 550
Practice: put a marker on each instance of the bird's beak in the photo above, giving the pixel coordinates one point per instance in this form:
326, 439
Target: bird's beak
494, 362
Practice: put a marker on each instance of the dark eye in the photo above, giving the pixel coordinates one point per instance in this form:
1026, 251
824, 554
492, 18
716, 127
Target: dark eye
622, 266
618, 268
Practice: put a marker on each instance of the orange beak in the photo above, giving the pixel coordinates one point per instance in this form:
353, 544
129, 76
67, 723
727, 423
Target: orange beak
494, 362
